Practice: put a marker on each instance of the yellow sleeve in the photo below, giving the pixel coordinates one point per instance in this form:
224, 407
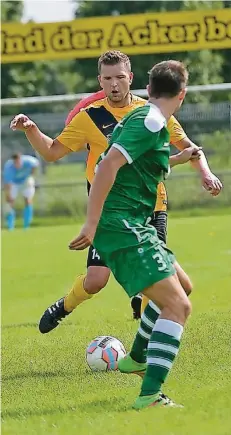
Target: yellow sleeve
74, 135
175, 130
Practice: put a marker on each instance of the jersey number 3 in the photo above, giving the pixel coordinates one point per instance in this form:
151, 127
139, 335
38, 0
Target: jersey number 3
160, 261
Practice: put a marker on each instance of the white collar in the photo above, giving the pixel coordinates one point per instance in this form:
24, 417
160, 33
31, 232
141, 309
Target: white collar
158, 111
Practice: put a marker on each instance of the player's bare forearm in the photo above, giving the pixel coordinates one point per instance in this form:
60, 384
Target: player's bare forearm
40, 142
102, 184
189, 153
201, 164
174, 161
51, 150
209, 181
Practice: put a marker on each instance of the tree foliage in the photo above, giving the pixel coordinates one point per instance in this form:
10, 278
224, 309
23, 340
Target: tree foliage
35, 78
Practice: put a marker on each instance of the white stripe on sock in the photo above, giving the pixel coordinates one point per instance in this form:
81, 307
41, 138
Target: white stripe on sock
159, 362
154, 307
169, 327
147, 322
166, 347
143, 333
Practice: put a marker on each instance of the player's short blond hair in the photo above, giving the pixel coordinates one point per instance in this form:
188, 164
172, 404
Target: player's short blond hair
114, 57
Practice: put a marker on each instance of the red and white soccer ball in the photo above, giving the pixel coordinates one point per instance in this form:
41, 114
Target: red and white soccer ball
104, 352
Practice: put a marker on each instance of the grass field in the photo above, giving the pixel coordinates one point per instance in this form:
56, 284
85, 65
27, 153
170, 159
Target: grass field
47, 387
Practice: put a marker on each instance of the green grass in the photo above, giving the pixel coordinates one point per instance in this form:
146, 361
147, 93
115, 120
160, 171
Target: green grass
67, 173
47, 387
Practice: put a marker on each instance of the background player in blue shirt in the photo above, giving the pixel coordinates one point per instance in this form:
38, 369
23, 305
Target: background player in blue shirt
18, 177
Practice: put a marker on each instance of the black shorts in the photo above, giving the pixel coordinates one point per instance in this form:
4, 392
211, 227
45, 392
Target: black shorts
159, 221
93, 258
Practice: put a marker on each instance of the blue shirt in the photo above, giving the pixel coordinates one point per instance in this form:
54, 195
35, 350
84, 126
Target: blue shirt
11, 174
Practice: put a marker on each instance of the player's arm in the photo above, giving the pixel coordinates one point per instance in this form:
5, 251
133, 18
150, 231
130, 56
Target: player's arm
179, 139
72, 138
209, 181
190, 153
50, 149
101, 186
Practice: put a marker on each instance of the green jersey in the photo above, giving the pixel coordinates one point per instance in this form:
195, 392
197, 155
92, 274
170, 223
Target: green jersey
143, 139
124, 240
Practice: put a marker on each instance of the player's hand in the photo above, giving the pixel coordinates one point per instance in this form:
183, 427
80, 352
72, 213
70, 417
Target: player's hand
196, 154
84, 239
189, 153
211, 183
21, 122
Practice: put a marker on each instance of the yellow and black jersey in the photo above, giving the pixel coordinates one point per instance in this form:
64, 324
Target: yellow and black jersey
93, 126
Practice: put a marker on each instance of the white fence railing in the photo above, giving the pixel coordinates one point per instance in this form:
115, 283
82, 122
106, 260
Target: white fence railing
75, 97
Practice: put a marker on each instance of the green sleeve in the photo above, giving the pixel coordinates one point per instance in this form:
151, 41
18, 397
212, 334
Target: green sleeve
135, 139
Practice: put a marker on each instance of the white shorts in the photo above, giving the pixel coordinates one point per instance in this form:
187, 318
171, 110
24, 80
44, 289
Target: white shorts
27, 189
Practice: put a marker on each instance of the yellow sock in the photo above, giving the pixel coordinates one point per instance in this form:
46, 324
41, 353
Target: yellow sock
76, 295
145, 302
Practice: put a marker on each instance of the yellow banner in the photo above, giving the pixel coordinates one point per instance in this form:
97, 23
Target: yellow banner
133, 34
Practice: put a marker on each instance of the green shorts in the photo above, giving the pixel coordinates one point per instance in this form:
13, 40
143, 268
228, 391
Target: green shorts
142, 259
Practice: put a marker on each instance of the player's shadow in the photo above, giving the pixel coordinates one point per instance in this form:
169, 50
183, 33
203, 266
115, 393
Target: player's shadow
31, 375
20, 325
116, 405
23, 413
86, 373
32, 325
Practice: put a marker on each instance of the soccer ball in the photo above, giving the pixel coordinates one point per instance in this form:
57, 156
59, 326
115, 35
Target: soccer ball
103, 353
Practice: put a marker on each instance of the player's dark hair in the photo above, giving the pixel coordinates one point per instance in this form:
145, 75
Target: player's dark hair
16, 156
167, 79
114, 57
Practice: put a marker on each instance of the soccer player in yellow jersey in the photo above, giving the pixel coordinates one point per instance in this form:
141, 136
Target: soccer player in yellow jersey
92, 126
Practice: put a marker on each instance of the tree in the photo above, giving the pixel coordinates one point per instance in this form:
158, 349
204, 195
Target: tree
10, 11
35, 78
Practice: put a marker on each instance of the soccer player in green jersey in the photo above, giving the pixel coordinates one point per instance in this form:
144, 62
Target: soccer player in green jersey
121, 200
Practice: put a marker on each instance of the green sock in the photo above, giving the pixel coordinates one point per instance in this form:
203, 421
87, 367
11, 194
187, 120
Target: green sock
162, 350
148, 319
